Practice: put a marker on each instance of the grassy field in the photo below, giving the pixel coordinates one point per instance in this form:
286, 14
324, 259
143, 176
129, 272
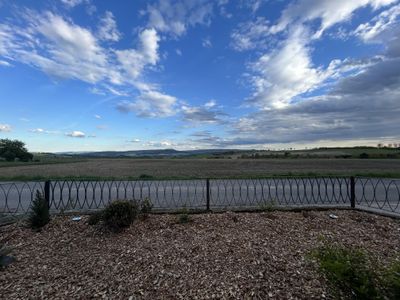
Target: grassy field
200, 168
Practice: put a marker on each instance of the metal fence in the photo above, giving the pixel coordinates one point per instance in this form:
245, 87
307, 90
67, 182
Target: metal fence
207, 194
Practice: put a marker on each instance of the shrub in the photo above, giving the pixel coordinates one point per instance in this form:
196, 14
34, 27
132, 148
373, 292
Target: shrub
346, 269
364, 155
268, 206
119, 214
95, 218
145, 208
183, 216
391, 281
40, 214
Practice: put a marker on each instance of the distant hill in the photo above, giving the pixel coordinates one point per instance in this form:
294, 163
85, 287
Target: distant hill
147, 153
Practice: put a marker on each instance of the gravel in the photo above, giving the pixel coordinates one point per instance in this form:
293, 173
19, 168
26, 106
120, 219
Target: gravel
228, 255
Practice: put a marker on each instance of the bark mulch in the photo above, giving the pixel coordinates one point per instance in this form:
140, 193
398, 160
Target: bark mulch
227, 255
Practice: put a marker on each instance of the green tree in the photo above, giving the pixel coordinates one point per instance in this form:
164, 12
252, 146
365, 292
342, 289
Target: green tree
12, 149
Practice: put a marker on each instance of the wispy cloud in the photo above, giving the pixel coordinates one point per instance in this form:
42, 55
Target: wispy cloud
108, 30
5, 128
174, 17
76, 134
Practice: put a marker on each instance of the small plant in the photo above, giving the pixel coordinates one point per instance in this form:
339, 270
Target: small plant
268, 206
95, 218
40, 214
145, 208
183, 216
391, 281
347, 270
119, 214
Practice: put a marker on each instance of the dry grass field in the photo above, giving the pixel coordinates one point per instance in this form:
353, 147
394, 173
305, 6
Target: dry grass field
201, 168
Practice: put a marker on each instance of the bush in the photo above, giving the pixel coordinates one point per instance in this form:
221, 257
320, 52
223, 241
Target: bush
145, 208
5, 259
346, 269
119, 214
40, 214
95, 218
183, 216
364, 155
391, 281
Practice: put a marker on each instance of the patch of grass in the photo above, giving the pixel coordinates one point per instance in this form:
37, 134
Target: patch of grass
391, 281
353, 275
347, 271
40, 214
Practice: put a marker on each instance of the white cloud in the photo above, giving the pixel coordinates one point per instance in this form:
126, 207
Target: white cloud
175, 17
206, 43
73, 3
37, 130
328, 11
287, 72
210, 104
152, 104
5, 128
5, 63
41, 130
372, 31
135, 141
134, 60
205, 114
159, 144
179, 52
108, 30
97, 117
251, 35
77, 134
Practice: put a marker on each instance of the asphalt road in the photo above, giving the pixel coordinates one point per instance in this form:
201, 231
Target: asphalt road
381, 194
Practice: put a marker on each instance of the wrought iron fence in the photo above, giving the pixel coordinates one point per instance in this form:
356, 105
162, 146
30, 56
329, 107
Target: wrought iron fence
207, 194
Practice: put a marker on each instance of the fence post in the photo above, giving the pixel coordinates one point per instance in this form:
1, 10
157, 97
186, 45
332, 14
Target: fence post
352, 192
208, 194
47, 192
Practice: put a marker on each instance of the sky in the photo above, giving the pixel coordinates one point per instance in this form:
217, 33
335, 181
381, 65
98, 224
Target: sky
92, 75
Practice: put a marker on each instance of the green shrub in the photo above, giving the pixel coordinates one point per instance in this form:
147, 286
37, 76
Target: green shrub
364, 155
40, 214
119, 214
183, 216
391, 281
95, 218
268, 206
145, 208
347, 270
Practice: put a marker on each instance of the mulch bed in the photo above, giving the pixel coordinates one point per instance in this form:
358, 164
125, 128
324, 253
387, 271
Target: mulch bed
227, 255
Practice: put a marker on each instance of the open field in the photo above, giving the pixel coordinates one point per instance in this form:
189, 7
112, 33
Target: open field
201, 168
240, 256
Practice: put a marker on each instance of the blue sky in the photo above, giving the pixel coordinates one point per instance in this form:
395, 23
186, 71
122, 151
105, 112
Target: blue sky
84, 75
